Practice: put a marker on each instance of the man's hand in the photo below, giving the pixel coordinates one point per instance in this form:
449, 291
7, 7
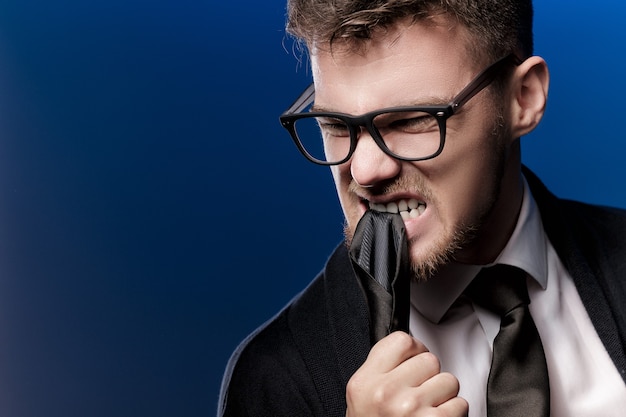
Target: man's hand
402, 378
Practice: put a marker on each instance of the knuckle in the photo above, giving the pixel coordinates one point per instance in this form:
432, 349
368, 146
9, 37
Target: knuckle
373, 398
462, 405
362, 389
406, 406
455, 407
403, 341
356, 385
380, 396
398, 337
430, 360
450, 381
441, 412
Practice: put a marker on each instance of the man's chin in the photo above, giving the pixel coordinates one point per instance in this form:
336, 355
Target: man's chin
426, 261
424, 268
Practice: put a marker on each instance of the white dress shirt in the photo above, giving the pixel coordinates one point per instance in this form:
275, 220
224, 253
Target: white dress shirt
583, 380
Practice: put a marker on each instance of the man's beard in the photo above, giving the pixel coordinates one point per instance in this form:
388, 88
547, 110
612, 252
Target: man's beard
443, 251
460, 236
439, 253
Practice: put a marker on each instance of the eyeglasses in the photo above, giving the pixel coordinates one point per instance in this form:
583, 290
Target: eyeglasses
411, 133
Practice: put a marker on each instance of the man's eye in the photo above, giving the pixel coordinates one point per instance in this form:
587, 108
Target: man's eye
333, 127
419, 123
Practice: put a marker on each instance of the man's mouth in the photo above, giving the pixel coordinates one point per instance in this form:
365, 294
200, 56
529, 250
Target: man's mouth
408, 208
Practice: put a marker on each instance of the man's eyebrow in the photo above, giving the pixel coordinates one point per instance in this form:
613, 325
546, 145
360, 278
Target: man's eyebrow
424, 102
320, 109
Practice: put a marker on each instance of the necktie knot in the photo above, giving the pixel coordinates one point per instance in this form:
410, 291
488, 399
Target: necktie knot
500, 288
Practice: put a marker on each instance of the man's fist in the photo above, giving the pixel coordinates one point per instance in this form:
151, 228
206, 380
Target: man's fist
402, 378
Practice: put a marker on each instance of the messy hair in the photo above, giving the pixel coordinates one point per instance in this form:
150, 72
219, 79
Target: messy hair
497, 27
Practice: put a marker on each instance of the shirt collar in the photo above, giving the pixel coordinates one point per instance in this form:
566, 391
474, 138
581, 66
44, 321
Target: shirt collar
525, 249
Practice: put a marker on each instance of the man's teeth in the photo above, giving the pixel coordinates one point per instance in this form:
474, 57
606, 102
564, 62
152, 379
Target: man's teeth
408, 209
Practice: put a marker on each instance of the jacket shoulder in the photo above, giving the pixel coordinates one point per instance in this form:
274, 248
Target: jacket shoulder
271, 373
607, 222
265, 372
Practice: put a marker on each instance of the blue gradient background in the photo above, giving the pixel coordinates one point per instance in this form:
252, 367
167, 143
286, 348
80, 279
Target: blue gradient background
153, 213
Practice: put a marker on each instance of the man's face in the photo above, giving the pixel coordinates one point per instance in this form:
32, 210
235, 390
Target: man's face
458, 192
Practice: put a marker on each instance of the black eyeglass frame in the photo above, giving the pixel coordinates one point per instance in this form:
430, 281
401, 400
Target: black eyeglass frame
354, 123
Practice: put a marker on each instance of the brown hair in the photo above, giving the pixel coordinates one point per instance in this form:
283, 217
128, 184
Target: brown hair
498, 27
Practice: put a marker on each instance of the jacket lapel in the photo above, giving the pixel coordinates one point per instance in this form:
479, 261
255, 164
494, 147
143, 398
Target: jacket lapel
581, 235
348, 314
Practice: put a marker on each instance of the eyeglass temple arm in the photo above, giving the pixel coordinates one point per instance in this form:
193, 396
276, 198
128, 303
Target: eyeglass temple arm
482, 80
303, 101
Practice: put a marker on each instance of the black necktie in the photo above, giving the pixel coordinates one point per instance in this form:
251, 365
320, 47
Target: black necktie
518, 380
379, 255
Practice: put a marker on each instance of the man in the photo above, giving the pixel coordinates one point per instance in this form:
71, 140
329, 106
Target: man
460, 80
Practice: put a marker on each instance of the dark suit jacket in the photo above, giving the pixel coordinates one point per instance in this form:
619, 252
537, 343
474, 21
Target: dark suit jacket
299, 362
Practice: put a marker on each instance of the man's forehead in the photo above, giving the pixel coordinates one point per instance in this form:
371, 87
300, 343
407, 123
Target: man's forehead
411, 67
384, 39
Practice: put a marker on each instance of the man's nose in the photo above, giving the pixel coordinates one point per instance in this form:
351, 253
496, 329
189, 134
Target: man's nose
371, 166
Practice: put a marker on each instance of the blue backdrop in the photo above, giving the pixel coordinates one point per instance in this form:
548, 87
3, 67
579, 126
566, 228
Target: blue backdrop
153, 212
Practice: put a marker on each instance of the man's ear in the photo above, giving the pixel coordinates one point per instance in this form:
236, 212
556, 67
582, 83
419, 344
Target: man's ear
529, 95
